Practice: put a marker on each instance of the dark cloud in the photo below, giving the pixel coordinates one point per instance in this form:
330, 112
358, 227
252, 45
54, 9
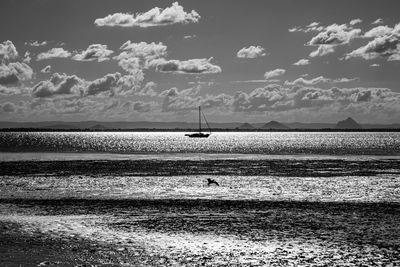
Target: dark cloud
141, 106
14, 72
8, 107
58, 84
154, 17
106, 84
364, 96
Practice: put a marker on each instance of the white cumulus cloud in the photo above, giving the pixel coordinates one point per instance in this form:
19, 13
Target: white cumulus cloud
57, 52
97, 52
274, 73
302, 62
251, 52
154, 17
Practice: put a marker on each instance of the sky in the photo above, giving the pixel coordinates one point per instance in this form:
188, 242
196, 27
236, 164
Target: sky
242, 61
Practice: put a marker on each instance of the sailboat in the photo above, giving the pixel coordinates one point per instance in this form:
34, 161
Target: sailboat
200, 134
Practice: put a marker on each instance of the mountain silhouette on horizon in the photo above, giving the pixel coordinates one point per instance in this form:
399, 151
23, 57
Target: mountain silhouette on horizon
348, 123
274, 125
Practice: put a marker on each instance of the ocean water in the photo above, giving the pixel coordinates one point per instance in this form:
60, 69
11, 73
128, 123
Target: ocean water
277, 166
266, 143
142, 199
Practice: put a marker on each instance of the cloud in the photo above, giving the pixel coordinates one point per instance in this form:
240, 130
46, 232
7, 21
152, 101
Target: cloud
36, 43
314, 26
97, 52
46, 69
154, 17
141, 106
129, 84
329, 37
27, 57
112, 84
276, 98
255, 81
58, 84
148, 89
190, 36
188, 99
251, 52
355, 21
335, 34
319, 80
57, 52
322, 50
105, 84
190, 66
378, 31
14, 72
8, 107
71, 107
7, 51
139, 53
377, 21
302, 62
136, 56
386, 44
274, 73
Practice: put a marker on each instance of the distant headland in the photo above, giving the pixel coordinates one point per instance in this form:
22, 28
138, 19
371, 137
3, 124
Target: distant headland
348, 124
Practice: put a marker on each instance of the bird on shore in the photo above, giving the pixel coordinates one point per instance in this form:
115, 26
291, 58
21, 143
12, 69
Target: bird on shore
211, 181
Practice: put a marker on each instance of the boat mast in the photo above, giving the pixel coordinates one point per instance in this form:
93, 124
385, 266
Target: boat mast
199, 119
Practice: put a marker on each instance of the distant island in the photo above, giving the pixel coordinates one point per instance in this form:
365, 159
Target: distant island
348, 124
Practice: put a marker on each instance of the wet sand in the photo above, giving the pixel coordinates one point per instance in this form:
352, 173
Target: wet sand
248, 167
160, 213
198, 232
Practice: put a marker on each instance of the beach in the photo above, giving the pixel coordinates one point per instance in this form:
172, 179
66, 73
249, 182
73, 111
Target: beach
160, 212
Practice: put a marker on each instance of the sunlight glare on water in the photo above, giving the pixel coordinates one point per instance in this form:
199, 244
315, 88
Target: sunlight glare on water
324, 143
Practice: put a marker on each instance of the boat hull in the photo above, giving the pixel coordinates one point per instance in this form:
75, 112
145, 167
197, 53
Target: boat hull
197, 135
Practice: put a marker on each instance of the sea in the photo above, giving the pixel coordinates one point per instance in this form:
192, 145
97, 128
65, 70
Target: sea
284, 198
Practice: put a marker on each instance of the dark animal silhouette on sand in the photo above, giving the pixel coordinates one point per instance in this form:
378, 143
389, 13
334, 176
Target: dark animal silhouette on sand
211, 181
